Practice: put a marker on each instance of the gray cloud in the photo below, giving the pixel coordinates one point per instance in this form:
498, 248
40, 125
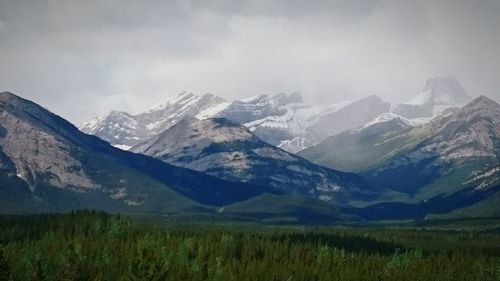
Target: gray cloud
83, 58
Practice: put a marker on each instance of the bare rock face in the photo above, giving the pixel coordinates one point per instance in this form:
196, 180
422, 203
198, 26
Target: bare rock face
232, 152
37, 154
472, 131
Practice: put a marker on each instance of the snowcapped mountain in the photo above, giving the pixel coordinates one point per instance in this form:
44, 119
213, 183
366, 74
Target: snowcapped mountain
281, 120
124, 130
439, 94
230, 151
288, 123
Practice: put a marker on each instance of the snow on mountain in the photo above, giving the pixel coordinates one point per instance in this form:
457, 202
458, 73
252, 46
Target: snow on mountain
285, 121
438, 95
388, 116
212, 110
281, 120
124, 130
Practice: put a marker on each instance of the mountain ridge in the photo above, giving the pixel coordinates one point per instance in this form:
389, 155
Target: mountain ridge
281, 120
43, 154
450, 159
225, 149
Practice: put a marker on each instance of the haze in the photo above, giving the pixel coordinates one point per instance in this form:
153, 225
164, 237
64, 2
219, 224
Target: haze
84, 58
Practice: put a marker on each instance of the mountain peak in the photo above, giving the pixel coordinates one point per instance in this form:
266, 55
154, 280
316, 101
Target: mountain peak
441, 80
6, 94
373, 98
12, 98
284, 99
448, 88
438, 95
441, 91
182, 97
222, 148
484, 99
279, 99
482, 102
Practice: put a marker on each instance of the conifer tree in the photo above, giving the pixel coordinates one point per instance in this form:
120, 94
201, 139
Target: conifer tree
5, 269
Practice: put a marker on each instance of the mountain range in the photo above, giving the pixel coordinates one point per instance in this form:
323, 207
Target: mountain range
436, 156
281, 120
456, 151
47, 164
51, 164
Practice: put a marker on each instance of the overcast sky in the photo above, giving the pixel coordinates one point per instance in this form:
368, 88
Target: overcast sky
84, 58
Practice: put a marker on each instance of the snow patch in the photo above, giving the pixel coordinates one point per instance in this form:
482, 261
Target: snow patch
420, 99
122, 146
212, 111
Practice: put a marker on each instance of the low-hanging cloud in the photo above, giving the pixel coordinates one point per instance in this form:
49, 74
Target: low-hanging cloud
83, 58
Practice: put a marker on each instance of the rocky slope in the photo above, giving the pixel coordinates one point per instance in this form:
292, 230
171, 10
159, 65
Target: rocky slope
48, 164
450, 162
448, 149
232, 152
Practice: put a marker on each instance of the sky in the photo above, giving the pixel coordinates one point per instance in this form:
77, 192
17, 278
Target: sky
84, 58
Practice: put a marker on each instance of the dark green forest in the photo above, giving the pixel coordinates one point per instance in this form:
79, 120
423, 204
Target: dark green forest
88, 245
